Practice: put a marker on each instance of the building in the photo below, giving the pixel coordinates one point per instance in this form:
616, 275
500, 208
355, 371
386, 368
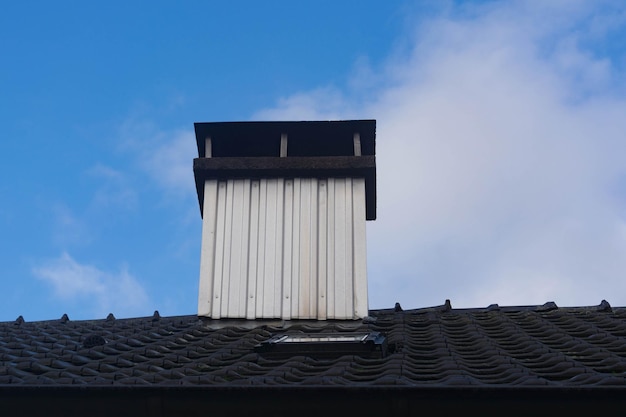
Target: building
283, 324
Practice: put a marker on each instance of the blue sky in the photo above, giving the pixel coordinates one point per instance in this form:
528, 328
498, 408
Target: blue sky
501, 150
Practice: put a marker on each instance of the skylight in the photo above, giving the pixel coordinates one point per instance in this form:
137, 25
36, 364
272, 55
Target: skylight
323, 338
320, 345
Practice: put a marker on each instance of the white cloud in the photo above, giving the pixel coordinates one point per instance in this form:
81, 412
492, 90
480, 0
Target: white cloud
115, 189
164, 155
75, 226
170, 162
100, 291
500, 141
321, 104
67, 227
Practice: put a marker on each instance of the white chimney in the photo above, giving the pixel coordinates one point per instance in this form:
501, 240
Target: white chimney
284, 206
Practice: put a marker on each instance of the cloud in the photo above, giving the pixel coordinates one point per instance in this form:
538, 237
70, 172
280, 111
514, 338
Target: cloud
67, 227
500, 150
165, 156
99, 291
169, 163
321, 104
78, 225
115, 189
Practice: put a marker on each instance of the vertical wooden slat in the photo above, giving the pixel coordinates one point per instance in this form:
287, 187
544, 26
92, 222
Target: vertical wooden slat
330, 262
283, 145
348, 274
322, 266
269, 273
340, 248
295, 251
243, 248
313, 253
278, 248
208, 147
288, 250
219, 250
360, 248
253, 250
207, 256
305, 248
234, 274
260, 283
357, 144
228, 249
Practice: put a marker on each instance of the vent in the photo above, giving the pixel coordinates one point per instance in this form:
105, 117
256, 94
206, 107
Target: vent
93, 340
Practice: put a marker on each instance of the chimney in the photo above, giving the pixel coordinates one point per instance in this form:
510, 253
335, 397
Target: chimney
284, 206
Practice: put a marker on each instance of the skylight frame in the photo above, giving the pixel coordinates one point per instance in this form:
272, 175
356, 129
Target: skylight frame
324, 345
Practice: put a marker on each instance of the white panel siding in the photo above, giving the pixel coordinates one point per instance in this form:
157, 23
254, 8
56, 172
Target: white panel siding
284, 248
287, 275
342, 249
360, 249
253, 250
207, 255
294, 230
322, 265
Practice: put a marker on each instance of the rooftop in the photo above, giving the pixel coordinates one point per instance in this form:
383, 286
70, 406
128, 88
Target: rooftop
494, 347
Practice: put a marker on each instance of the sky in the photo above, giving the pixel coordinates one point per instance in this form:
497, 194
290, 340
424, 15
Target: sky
501, 156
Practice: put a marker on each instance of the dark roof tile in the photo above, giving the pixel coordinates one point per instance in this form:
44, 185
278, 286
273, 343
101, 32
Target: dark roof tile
545, 346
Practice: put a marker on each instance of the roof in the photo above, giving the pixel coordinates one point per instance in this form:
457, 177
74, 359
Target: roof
495, 347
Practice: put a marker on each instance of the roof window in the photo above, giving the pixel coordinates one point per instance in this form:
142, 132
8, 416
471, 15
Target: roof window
321, 345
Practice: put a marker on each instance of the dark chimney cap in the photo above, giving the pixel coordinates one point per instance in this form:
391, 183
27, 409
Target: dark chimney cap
310, 149
306, 138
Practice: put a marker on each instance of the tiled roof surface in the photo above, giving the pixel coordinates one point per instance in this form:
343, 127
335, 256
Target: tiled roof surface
541, 346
